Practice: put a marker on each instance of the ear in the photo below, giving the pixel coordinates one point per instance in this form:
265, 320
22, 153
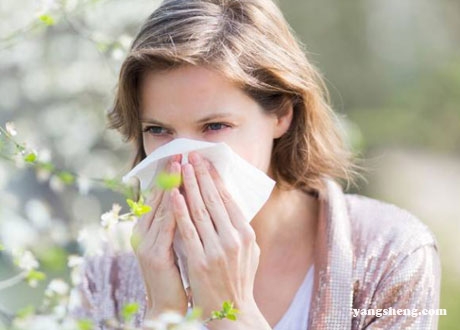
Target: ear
283, 122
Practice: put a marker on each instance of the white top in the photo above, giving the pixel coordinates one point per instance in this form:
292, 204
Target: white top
296, 316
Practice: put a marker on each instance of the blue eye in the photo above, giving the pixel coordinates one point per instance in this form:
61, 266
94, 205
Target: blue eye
216, 126
161, 131
155, 130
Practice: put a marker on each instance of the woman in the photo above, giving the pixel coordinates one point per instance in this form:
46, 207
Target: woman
231, 71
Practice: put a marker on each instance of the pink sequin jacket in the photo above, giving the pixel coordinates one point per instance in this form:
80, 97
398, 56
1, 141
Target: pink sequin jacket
368, 255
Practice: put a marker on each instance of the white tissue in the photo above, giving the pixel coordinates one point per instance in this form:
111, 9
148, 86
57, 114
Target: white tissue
249, 186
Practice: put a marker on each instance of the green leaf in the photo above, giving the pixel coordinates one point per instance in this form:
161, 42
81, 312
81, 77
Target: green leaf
2, 247
30, 157
46, 166
103, 46
20, 148
135, 240
66, 177
227, 312
111, 183
131, 203
168, 181
54, 258
142, 209
227, 306
25, 312
47, 19
233, 312
138, 208
129, 310
85, 324
35, 275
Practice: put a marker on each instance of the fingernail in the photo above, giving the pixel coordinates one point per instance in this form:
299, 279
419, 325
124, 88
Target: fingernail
208, 164
177, 157
194, 158
174, 167
173, 159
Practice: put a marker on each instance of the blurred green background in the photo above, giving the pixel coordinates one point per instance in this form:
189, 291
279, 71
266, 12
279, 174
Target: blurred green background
392, 68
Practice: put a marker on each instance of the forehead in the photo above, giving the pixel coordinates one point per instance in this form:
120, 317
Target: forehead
192, 89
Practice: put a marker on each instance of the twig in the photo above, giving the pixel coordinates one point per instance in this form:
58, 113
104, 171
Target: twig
8, 317
12, 280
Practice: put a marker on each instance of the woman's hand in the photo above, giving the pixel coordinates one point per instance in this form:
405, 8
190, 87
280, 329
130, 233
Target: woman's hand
154, 234
222, 252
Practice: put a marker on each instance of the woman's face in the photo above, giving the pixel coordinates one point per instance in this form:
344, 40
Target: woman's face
197, 103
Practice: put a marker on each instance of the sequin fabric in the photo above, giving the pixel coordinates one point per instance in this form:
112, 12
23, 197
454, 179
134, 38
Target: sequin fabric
368, 255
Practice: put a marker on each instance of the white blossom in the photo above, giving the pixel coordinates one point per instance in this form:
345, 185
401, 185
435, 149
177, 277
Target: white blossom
155, 325
33, 283
59, 232
92, 238
56, 184
37, 322
76, 276
119, 236
191, 325
42, 174
60, 311
39, 213
84, 185
4, 177
125, 41
45, 6
57, 287
170, 317
75, 299
44, 155
118, 54
25, 260
11, 128
16, 233
74, 261
111, 218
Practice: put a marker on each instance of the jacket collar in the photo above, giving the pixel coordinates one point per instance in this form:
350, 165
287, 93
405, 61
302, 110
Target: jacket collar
332, 295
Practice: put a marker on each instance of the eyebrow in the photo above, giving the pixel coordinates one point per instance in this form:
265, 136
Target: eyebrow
210, 117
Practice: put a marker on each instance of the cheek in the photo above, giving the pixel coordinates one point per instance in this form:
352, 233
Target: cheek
254, 144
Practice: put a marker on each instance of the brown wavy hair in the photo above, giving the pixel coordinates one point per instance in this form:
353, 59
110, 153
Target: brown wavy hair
249, 42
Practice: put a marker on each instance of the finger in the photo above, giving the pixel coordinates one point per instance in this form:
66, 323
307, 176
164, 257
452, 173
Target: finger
165, 234
167, 228
175, 158
144, 222
198, 211
211, 197
162, 220
185, 225
235, 214
153, 201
